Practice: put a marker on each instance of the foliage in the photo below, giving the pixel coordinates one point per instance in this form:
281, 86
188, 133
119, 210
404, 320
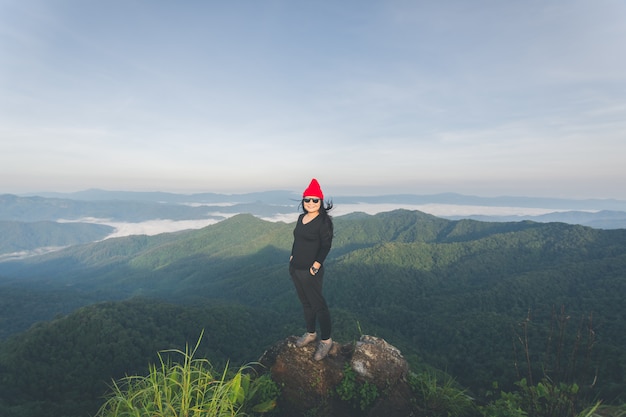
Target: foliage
360, 394
189, 389
546, 399
440, 397
507, 405
549, 399
556, 394
21, 307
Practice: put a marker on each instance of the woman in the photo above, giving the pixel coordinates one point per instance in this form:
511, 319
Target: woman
313, 236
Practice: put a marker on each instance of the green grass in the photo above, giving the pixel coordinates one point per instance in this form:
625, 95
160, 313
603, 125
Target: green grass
190, 388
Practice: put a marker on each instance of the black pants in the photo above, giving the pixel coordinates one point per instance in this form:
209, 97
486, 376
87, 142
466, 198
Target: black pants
309, 289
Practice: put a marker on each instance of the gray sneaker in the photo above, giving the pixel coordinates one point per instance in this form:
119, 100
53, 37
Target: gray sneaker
322, 349
305, 339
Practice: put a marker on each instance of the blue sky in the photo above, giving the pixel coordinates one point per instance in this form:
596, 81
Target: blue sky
370, 97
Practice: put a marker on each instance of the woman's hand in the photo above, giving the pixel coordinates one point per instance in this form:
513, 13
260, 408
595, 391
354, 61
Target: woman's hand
315, 268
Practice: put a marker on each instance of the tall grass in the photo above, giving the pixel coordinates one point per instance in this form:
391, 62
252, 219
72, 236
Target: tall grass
189, 388
439, 397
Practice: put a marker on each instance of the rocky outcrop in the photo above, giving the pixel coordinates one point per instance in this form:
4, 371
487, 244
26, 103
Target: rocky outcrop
366, 378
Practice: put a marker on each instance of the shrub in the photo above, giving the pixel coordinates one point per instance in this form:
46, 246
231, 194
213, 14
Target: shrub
437, 398
361, 395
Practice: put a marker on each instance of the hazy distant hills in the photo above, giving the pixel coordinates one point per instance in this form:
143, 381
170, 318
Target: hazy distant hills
173, 198
281, 197
121, 206
29, 209
20, 237
603, 219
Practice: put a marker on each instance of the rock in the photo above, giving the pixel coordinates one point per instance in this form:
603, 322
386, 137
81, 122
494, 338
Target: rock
309, 387
378, 362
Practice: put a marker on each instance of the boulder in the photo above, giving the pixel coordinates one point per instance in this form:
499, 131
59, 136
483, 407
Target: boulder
342, 384
378, 362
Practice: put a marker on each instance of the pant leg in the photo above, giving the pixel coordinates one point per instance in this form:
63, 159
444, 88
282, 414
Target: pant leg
309, 313
309, 289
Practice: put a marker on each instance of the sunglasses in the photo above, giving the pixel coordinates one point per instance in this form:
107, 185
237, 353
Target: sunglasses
308, 200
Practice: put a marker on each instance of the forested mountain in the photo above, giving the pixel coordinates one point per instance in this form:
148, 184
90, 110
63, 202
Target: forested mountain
19, 237
455, 295
64, 367
32, 209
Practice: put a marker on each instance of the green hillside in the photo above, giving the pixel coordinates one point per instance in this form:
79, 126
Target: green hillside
24, 237
455, 295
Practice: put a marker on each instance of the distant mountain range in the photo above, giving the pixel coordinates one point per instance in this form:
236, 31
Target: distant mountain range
32, 224
21, 238
141, 206
603, 219
282, 197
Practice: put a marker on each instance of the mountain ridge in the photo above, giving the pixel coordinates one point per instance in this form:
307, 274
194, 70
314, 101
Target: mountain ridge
22, 237
442, 198
143, 206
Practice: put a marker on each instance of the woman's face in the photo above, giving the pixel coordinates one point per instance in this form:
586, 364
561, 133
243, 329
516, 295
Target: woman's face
311, 204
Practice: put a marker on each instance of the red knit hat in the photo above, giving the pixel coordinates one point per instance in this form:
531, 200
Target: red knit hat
313, 190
